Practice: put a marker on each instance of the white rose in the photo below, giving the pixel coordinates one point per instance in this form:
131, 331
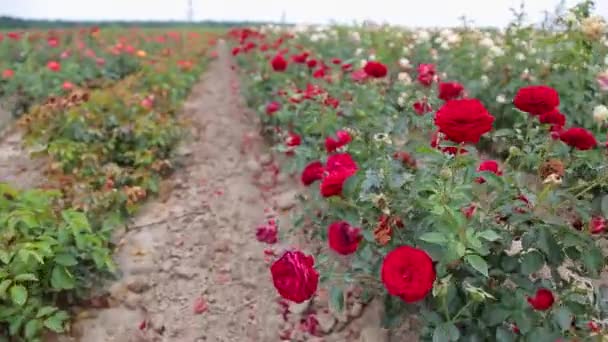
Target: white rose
501, 98
404, 77
404, 63
600, 114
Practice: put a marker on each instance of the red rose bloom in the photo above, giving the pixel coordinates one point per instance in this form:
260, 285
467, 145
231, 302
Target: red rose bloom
464, 121
236, 50
488, 166
293, 140
312, 172
375, 69
311, 63
597, 224
267, 233
53, 66
409, 273
343, 138
278, 63
542, 300
553, 117
8, 73
536, 99
578, 138
426, 74
339, 168
336, 61
294, 276
450, 90
422, 107
343, 238
301, 58
272, 107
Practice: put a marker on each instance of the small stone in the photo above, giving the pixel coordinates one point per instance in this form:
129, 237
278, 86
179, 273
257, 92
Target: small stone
355, 310
299, 308
374, 334
117, 291
286, 200
326, 322
133, 300
183, 151
184, 272
137, 284
266, 159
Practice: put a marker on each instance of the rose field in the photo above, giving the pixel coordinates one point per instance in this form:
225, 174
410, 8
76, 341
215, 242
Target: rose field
306, 183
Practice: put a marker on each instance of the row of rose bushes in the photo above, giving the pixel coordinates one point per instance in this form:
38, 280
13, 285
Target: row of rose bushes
480, 249
107, 150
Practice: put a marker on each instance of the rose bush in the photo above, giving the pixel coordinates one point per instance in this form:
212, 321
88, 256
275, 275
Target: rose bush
477, 201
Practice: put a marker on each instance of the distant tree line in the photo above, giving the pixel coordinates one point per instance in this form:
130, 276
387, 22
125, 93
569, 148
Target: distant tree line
18, 23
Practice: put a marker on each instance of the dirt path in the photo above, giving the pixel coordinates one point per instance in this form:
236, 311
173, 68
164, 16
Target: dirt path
196, 249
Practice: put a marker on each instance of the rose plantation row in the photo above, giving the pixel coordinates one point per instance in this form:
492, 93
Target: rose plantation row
100, 107
487, 226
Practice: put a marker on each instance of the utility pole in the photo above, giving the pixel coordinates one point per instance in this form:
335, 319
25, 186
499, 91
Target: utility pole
190, 13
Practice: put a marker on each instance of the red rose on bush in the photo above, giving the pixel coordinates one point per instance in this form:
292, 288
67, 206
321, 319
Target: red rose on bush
597, 224
578, 138
312, 172
311, 63
375, 69
409, 273
463, 121
272, 107
343, 238
293, 140
426, 74
267, 233
450, 90
536, 99
553, 117
422, 107
53, 66
278, 63
488, 166
294, 276
343, 138
542, 300
339, 167
8, 73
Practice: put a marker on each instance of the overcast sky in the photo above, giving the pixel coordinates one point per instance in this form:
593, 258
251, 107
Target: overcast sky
404, 12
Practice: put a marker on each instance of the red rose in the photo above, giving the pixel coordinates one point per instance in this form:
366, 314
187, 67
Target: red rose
8, 73
343, 138
339, 168
469, 210
336, 61
426, 74
358, 75
235, 50
409, 273
597, 224
375, 69
579, 138
536, 99
294, 276
272, 107
278, 63
488, 166
422, 107
267, 233
312, 172
405, 158
53, 66
553, 117
319, 73
464, 121
67, 85
343, 238
293, 140
311, 63
301, 58
450, 90
542, 300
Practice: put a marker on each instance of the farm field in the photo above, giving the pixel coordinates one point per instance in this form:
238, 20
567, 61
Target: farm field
306, 183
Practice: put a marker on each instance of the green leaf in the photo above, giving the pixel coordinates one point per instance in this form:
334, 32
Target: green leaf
61, 278
563, 317
26, 277
504, 335
18, 294
489, 235
604, 205
531, 262
32, 328
5, 256
546, 243
446, 332
593, 259
336, 297
45, 311
55, 322
478, 263
4, 287
434, 237
66, 259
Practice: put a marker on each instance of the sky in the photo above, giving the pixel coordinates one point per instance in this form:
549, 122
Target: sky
417, 13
